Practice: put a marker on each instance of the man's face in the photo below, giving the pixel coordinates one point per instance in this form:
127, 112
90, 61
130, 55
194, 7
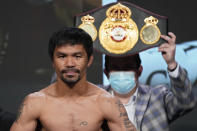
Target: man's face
70, 63
123, 74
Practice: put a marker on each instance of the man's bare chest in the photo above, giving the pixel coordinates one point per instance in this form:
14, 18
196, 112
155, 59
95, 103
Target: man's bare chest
71, 116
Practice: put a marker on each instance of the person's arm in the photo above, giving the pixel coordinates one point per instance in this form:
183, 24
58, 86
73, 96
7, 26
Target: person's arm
27, 115
115, 114
180, 98
168, 50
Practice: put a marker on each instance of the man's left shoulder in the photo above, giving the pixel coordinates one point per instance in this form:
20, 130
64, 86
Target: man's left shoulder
100, 92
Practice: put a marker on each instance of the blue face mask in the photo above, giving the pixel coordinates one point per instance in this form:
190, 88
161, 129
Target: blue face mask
122, 81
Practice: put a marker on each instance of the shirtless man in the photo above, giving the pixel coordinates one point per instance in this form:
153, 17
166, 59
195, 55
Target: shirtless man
72, 103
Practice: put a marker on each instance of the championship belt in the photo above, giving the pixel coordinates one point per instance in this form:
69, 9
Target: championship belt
118, 33
124, 28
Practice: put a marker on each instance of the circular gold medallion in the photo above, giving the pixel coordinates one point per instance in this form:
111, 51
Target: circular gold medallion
150, 33
118, 38
90, 29
118, 33
88, 26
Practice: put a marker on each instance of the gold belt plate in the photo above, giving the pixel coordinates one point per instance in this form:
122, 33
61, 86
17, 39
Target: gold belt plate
118, 33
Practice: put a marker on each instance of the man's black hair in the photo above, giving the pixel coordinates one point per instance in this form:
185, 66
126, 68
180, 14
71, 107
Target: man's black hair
72, 36
136, 61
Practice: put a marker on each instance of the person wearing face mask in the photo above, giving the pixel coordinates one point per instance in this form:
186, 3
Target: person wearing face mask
150, 108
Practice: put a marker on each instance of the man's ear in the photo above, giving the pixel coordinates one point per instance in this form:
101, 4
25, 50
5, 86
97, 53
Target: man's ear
140, 70
90, 60
106, 73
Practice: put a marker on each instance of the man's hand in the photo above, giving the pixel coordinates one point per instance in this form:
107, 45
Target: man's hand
168, 50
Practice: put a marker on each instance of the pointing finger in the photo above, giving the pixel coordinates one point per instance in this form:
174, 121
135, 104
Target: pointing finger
173, 37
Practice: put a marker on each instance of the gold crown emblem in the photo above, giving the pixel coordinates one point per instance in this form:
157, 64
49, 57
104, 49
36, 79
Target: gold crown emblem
87, 19
151, 20
118, 12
